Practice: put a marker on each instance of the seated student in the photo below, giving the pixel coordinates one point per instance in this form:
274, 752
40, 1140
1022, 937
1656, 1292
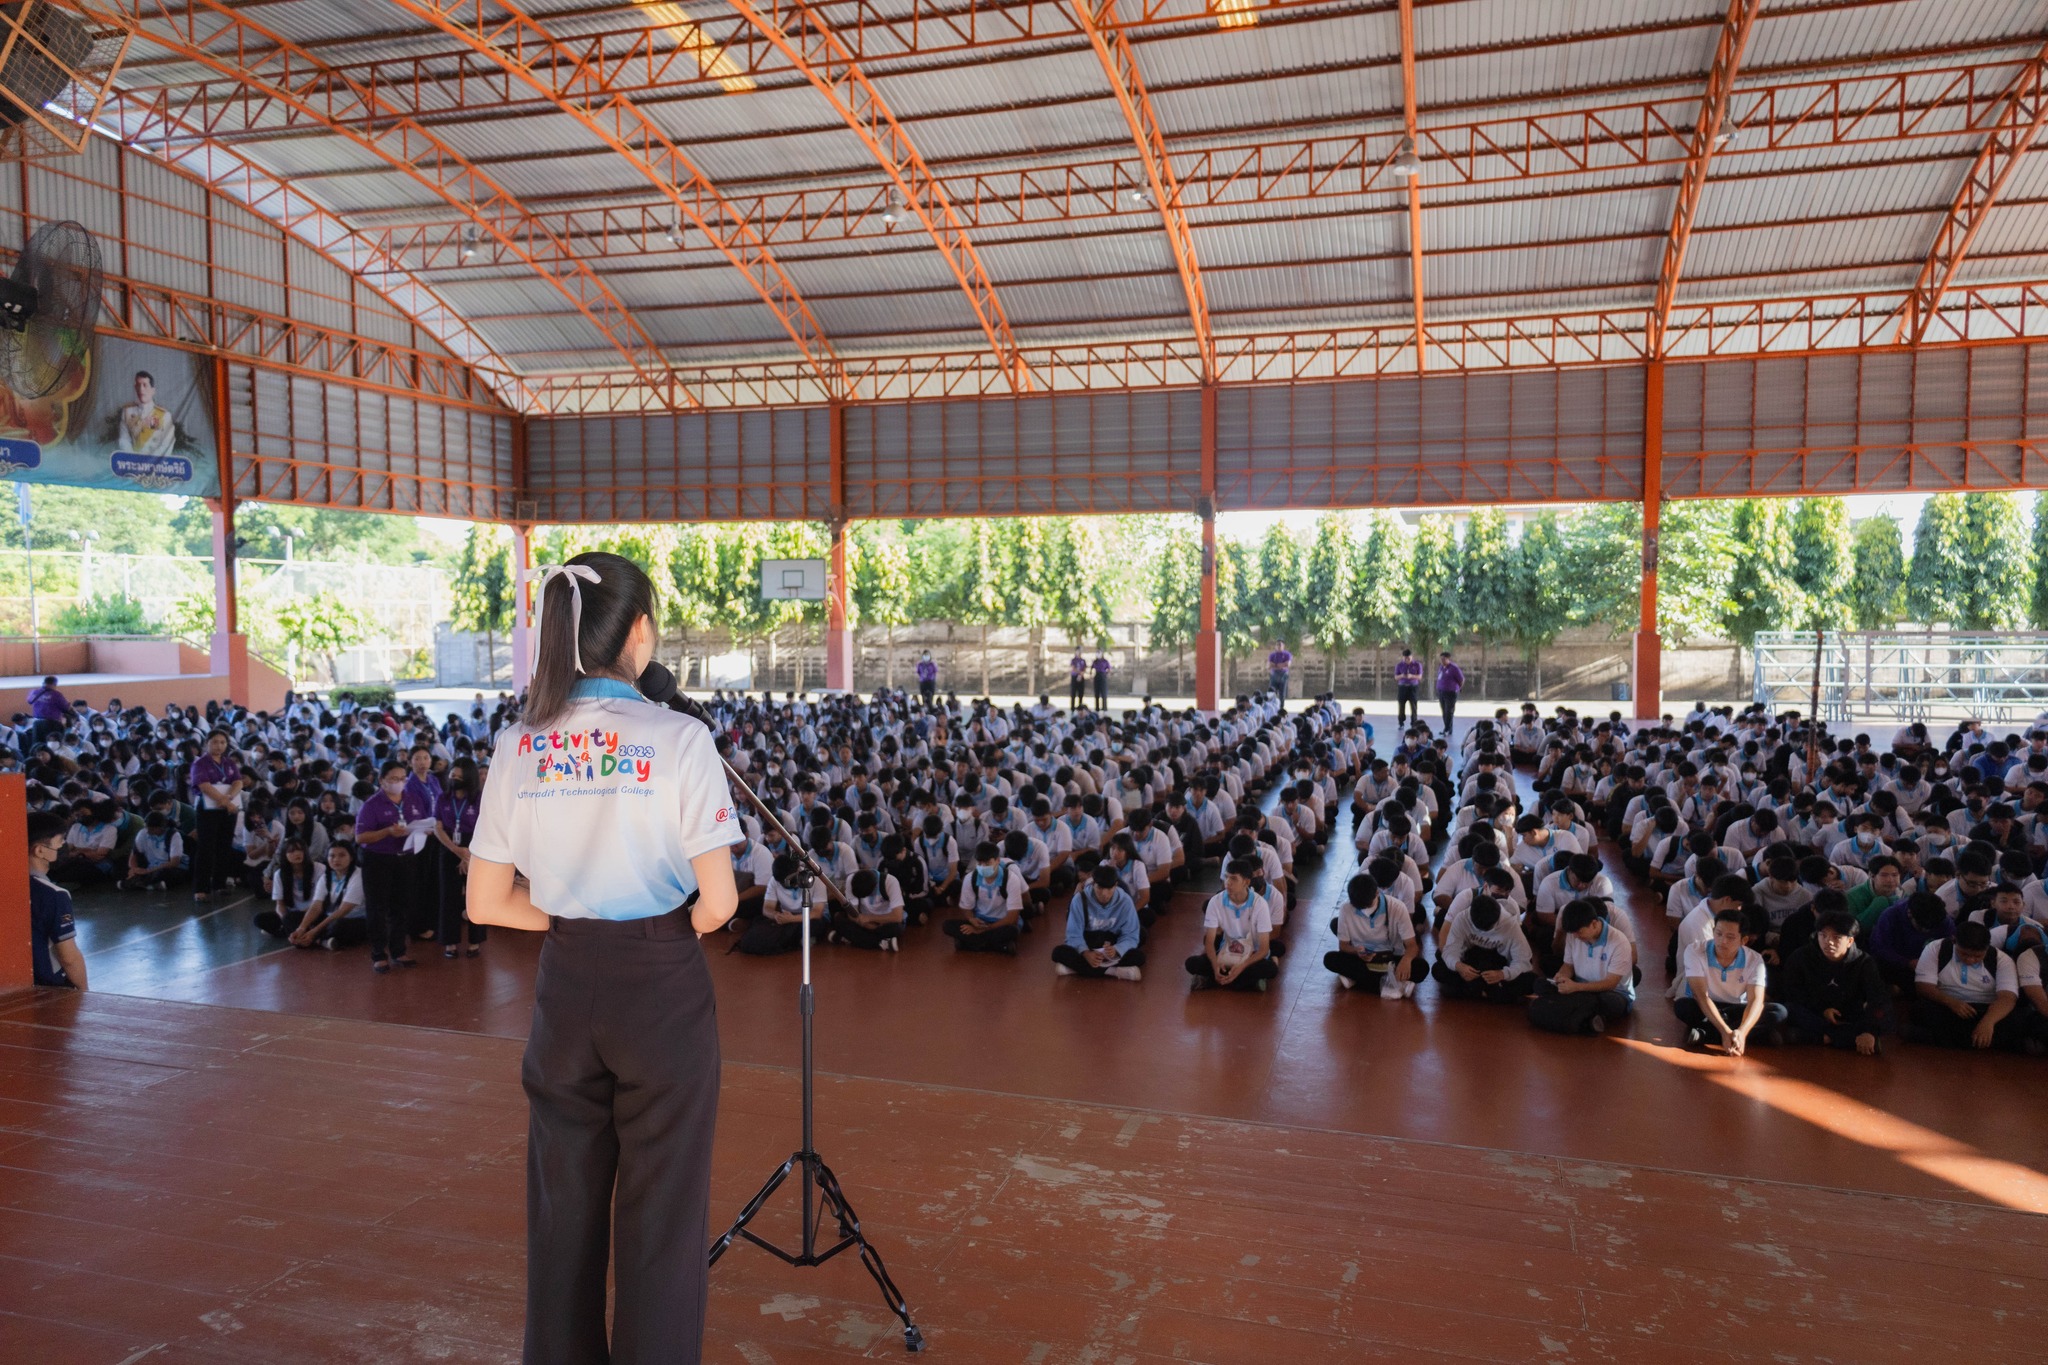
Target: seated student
993, 896
1874, 897
940, 854
1102, 931
1579, 879
1724, 991
1483, 955
1966, 994
88, 857
875, 920
1596, 985
1903, 932
779, 928
157, 859
53, 932
1375, 942
1033, 864
1780, 893
751, 860
1122, 856
1833, 992
908, 870
1237, 933
1667, 849
334, 917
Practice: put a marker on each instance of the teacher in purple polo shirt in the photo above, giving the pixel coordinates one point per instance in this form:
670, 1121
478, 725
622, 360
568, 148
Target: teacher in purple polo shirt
1450, 681
216, 780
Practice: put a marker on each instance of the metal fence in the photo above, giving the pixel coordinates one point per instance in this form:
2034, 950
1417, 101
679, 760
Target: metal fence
1999, 676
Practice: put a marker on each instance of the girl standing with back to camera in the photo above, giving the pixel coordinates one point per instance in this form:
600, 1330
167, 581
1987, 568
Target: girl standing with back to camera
616, 812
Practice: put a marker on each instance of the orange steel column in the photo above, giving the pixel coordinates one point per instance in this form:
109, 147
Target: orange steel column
230, 648
1208, 640
522, 629
1649, 656
16, 969
838, 635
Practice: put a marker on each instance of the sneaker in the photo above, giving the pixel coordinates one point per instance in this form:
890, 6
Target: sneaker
1695, 1037
1199, 983
1062, 969
1597, 1024
1345, 983
329, 944
1128, 973
733, 925
1261, 984
888, 945
157, 886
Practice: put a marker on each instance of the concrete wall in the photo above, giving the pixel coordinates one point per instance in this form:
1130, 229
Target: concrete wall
153, 673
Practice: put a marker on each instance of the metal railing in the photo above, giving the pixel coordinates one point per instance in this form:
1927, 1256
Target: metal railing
1998, 676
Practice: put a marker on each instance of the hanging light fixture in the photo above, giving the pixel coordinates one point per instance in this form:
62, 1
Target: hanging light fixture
675, 235
1138, 196
468, 243
889, 210
1406, 162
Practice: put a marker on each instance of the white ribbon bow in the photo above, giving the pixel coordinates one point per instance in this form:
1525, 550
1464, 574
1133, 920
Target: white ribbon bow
578, 575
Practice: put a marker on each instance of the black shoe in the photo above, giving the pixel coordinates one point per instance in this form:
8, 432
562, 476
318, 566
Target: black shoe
1695, 1037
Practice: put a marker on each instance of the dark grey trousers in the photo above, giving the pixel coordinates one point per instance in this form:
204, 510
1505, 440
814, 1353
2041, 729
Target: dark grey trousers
621, 1073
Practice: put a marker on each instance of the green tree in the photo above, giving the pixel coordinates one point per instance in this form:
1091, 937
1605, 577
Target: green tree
1878, 557
1604, 564
1277, 600
1328, 588
1237, 583
1435, 612
126, 523
483, 586
983, 584
1379, 587
1822, 560
883, 588
1762, 594
1486, 582
317, 533
1176, 597
323, 624
112, 614
1696, 554
1937, 578
2037, 608
1542, 593
1995, 581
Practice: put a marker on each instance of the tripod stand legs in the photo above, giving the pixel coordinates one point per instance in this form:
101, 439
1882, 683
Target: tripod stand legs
831, 1199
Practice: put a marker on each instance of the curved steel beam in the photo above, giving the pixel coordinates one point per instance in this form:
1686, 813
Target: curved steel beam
575, 80
2006, 142
802, 35
1706, 134
148, 125
209, 33
1120, 64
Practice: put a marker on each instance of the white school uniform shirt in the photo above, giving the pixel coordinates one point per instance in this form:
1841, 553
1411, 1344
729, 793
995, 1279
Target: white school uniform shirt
991, 898
1241, 922
2026, 964
789, 900
1612, 952
1727, 983
1382, 927
1975, 985
604, 810
284, 889
885, 903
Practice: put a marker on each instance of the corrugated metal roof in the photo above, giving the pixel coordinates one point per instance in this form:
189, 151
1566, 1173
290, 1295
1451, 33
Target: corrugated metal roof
1771, 223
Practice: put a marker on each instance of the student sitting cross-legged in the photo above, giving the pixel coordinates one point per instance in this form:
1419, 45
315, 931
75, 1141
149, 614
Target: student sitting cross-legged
779, 928
1967, 995
1375, 942
1483, 955
1833, 990
1237, 930
877, 917
1596, 985
992, 894
1724, 991
1102, 931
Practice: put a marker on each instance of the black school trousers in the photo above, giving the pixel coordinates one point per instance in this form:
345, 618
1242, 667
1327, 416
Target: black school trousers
987, 941
1072, 960
621, 1075
387, 887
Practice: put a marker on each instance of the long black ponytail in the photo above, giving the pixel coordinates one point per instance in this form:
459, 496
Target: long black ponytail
621, 595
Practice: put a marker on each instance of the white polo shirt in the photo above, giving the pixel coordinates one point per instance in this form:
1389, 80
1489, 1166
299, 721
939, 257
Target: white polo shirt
604, 810
1974, 985
1606, 955
1728, 983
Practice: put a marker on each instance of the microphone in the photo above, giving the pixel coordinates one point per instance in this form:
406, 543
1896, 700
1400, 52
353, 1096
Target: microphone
658, 685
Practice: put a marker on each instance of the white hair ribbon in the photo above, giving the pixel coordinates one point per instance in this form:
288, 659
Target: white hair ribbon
578, 575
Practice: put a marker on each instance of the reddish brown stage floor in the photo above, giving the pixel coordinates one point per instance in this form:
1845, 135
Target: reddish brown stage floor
283, 1157
186, 1182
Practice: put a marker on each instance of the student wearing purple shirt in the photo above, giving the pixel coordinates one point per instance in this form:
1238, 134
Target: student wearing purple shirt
423, 894
1407, 688
382, 828
1101, 682
455, 823
216, 781
1450, 681
927, 677
50, 709
1903, 932
1276, 670
1077, 681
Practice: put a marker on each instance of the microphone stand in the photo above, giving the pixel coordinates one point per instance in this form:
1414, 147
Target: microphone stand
822, 1193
